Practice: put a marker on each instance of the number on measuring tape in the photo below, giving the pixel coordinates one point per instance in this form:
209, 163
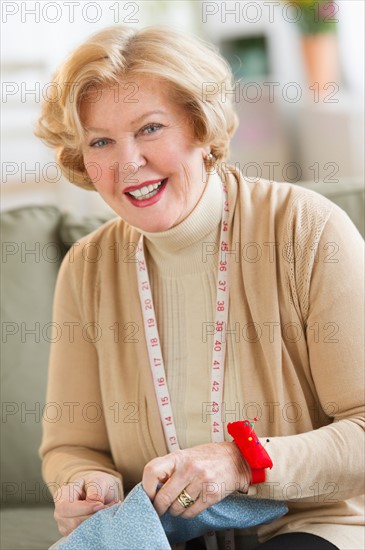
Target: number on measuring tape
215, 407
217, 345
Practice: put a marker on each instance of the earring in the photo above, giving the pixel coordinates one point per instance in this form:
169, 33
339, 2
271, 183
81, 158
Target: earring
210, 157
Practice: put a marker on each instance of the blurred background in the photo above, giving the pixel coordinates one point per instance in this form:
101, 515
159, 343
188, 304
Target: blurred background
299, 68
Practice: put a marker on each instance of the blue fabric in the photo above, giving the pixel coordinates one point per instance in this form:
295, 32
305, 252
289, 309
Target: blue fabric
135, 525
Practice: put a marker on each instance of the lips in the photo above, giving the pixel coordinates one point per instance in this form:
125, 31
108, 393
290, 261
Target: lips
144, 184
147, 193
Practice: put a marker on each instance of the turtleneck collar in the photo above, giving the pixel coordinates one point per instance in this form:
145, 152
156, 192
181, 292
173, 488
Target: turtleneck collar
187, 247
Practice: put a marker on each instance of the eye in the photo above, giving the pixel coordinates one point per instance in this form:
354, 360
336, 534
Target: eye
100, 142
150, 129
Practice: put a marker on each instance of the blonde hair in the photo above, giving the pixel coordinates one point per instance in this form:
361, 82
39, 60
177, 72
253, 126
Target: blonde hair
188, 64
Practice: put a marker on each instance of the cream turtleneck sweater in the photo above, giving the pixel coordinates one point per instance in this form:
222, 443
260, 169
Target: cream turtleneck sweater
295, 361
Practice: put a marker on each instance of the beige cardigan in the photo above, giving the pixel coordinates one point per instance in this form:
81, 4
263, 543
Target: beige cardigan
296, 289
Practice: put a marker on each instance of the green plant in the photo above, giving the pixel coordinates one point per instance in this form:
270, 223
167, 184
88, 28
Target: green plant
315, 16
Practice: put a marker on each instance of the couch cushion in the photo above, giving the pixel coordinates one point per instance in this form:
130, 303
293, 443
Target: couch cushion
31, 256
34, 241
74, 228
28, 528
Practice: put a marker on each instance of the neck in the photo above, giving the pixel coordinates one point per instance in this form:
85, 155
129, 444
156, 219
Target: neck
190, 246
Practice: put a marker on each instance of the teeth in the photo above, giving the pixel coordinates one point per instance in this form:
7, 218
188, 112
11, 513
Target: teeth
152, 194
145, 192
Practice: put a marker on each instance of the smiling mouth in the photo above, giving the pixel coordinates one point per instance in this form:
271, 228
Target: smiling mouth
147, 192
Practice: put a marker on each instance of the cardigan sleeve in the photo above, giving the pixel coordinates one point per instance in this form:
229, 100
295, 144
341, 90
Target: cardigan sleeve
75, 440
327, 464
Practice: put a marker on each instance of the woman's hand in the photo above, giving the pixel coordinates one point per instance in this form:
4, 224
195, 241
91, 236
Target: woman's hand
80, 499
209, 473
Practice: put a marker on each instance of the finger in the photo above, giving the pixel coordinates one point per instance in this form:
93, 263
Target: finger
96, 490
169, 492
178, 509
98, 507
71, 491
114, 491
80, 508
103, 488
158, 470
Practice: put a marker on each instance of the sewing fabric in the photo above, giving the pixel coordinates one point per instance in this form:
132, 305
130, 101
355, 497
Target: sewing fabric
135, 525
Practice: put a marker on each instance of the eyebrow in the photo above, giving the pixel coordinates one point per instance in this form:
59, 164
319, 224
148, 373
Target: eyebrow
149, 113
135, 121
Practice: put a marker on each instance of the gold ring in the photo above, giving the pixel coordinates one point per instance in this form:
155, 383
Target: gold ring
185, 499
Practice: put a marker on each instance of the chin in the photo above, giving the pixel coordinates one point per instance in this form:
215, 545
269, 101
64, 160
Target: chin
158, 225
156, 228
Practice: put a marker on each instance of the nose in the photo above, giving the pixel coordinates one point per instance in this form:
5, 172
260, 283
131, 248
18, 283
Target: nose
130, 159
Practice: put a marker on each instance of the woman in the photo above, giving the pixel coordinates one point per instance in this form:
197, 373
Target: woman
246, 291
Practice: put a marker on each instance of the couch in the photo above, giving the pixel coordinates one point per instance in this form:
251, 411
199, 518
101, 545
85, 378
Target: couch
34, 241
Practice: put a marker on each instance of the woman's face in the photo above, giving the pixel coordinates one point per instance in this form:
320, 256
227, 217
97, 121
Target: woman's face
137, 141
